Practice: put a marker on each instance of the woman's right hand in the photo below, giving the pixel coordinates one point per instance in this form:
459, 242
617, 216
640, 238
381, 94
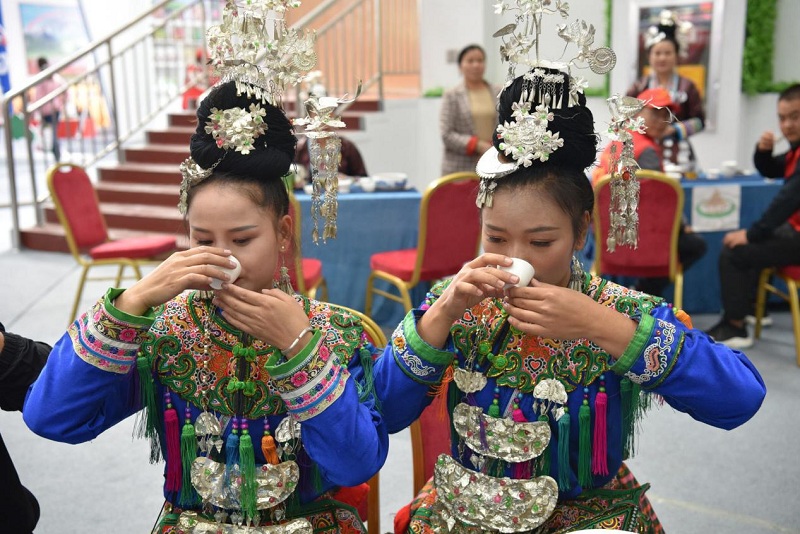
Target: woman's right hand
477, 280
188, 269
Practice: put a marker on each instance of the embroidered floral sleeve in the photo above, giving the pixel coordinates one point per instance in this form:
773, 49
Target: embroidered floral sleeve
417, 359
652, 353
311, 381
108, 338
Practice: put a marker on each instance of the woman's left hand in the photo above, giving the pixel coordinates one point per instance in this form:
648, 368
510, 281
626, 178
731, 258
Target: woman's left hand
549, 311
271, 316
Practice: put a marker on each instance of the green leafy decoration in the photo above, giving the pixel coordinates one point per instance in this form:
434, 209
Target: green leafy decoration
759, 48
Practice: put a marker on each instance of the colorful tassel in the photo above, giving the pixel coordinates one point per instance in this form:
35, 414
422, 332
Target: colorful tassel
188, 455
172, 437
439, 391
494, 408
268, 447
521, 470
584, 443
247, 467
232, 448
147, 425
564, 481
543, 468
600, 437
633, 407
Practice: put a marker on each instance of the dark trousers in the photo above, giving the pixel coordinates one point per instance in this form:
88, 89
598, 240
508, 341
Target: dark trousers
691, 247
740, 267
52, 121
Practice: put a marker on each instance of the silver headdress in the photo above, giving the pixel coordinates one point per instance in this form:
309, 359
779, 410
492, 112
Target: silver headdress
668, 22
253, 48
527, 138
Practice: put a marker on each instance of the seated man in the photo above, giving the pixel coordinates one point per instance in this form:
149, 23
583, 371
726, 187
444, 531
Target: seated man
773, 240
350, 161
648, 153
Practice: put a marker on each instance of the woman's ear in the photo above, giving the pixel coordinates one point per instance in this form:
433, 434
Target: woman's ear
285, 234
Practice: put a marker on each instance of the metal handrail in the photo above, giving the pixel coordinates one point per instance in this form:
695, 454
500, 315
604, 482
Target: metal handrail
112, 61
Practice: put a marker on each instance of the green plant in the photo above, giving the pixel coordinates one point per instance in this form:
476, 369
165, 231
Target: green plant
759, 48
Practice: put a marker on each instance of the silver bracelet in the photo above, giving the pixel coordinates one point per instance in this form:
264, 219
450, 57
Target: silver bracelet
305, 331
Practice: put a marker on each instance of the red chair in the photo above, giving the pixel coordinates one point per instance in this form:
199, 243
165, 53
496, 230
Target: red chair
79, 212
660, 212
305, 273
430, 437
790, 275
449, 236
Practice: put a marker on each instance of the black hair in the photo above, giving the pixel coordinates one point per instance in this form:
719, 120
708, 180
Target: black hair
669, 35
562, 177
261, 169
470, 48
42, 62
790, 93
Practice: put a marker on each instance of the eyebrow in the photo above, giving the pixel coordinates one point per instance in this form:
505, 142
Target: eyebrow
528, 231
237, 229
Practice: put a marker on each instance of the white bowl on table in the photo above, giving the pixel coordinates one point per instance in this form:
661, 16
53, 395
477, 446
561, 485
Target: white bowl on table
344, 184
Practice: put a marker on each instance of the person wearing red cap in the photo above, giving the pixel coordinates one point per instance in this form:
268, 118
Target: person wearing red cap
657, 113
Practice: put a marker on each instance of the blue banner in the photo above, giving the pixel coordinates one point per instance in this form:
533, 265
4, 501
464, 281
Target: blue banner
5, 82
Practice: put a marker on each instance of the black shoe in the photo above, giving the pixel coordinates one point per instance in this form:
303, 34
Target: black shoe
727, 334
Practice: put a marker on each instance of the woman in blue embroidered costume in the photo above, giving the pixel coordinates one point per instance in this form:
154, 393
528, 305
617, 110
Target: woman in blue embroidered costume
543, 383
259, 400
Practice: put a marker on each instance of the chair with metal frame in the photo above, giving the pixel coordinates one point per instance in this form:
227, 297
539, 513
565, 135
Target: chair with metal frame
661, 210
78, 210
449, 236
375, 336
305, 273
790, 275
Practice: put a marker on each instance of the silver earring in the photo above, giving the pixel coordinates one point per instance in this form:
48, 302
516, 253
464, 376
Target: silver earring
576, 278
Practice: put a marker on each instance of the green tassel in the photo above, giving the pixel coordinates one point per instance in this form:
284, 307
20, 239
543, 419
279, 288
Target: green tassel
494, 409
563, 452
585, 445
316, 478
247, 466
188, 496
368, 388
147, 425
543, 463
634, 404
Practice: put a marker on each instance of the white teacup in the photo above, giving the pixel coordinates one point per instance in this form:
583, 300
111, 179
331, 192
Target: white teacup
367, 184
522, 269
233, 272
730, 168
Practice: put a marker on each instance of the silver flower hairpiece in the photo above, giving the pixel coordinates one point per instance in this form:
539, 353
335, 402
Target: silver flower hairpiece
324, 148
237, 128
254, 47
684, 31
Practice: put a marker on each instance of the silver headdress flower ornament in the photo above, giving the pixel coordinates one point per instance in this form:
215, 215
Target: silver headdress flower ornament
253, 48
324, 147
669, 26
527, 138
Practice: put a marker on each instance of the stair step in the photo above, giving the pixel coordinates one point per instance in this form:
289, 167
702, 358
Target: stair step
157, 154
176, 135
139, 193
50, 237
142, 217
150, 173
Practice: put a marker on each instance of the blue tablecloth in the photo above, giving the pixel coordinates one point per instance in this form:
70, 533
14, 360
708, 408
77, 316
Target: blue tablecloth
701, 290
367, 223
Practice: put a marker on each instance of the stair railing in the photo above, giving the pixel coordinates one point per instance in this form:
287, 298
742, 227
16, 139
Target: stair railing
125, 80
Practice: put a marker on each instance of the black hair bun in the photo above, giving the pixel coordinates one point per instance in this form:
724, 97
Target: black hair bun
575, 125
274, 150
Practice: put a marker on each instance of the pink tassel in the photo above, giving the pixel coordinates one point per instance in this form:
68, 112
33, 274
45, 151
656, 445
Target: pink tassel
518, 416
600, 442
521, 471
172, 435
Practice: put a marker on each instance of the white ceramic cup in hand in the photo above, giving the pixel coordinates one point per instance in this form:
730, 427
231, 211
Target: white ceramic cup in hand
522, 269
233, 272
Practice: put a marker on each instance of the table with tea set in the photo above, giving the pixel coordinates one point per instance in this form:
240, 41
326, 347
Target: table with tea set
375, 215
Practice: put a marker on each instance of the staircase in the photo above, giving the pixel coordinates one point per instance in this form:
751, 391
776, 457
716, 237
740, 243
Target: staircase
140, 195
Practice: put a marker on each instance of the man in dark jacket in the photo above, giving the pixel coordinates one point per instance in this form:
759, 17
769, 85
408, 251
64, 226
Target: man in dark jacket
774, 240
21, 360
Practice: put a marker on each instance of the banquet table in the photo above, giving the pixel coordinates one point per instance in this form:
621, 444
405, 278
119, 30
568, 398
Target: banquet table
367, 223
701, 289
